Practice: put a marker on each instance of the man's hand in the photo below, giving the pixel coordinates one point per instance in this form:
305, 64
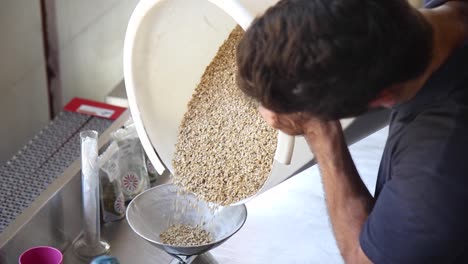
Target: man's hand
292, 124
302, 124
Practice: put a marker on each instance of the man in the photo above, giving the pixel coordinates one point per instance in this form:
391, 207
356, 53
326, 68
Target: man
312, 62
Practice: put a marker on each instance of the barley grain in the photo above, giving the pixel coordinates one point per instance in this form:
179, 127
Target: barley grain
185, 235
225, 150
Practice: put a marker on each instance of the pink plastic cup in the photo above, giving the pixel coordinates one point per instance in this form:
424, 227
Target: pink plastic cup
41, 255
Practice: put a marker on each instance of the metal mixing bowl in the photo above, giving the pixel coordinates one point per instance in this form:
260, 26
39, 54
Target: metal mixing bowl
153, 211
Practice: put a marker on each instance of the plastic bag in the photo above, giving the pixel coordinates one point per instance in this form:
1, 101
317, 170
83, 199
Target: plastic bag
112, 198
133, 173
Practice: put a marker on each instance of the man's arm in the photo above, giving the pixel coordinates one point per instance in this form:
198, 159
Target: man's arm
348, 200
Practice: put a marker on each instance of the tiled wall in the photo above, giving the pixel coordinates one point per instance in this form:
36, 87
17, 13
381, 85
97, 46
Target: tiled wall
90, 36
23, 90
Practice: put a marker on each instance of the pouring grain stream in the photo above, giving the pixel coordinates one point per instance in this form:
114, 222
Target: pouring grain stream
225, 150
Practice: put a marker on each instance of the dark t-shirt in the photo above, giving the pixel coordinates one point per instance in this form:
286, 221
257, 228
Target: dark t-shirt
421, 210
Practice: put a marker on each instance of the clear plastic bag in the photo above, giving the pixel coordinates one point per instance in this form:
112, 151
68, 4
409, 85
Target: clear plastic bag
132, 163
112, 198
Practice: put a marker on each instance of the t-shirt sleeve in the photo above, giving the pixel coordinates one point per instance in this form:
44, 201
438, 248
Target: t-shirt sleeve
420, 214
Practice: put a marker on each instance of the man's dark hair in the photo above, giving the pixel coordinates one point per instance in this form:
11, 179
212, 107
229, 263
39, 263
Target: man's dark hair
331, 57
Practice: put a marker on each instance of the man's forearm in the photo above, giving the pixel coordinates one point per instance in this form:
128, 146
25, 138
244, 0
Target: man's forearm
348, 200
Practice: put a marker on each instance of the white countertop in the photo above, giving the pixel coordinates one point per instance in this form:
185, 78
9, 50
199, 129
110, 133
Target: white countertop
287, 224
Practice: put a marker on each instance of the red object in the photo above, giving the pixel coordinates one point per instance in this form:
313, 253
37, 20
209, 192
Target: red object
89, 107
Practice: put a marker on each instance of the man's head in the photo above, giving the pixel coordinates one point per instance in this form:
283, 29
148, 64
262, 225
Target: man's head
331, 57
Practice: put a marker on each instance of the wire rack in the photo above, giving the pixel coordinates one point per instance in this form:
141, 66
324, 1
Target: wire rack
44, 158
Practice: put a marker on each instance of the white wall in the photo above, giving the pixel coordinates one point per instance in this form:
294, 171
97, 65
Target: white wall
90, 36
90, 40
23, 89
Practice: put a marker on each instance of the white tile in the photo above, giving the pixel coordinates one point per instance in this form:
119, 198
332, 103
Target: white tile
21, 47
92, 64
74, 16
24, 108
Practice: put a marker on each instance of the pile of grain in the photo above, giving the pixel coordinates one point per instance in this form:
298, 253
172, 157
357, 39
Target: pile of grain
185, 236
225, 150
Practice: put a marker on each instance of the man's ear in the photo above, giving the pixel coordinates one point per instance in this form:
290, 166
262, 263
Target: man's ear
386, 98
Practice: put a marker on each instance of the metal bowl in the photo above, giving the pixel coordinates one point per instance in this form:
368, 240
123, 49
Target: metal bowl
153, 211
